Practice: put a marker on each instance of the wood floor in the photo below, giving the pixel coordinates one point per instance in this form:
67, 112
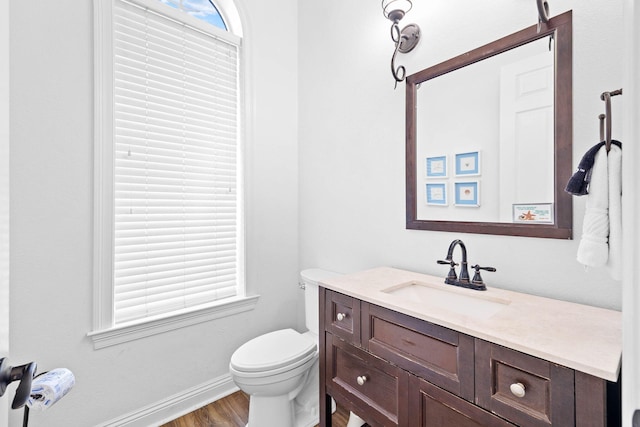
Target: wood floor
233, 411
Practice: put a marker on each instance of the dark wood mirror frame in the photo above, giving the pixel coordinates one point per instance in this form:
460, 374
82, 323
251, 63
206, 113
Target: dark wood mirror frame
560, 27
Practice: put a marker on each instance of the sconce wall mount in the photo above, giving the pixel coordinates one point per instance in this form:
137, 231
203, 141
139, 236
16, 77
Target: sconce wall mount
405, 39
409, 38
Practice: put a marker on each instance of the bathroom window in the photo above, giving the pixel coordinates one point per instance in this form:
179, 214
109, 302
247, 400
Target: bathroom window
168, 168
201, 9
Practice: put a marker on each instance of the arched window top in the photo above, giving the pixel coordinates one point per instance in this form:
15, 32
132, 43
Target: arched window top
204, 10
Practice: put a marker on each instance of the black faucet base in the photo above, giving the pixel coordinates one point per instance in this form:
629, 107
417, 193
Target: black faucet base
468, 285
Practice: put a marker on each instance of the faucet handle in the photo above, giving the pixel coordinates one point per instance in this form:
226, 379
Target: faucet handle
477, 278
478, 268
452, 276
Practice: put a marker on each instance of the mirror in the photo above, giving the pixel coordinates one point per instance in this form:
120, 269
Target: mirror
489, 137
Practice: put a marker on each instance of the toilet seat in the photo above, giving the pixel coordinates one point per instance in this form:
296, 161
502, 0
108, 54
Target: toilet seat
272, 353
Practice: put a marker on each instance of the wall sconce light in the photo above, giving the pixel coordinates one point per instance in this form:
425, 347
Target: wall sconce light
406, 39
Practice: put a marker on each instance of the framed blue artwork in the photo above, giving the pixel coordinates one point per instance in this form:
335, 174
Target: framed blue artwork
437, 193
437, 167
467, 193
468, 164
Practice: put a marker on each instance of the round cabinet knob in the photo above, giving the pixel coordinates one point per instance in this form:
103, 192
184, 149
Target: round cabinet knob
341, 316
517, 389
361, 380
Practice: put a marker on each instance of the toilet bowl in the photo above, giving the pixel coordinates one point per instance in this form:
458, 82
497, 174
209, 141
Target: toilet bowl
272, 369
279, 370
266, 365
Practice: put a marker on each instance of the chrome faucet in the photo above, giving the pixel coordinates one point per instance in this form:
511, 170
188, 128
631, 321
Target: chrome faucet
463, 281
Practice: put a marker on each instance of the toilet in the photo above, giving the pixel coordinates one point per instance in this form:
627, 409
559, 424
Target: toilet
279, 370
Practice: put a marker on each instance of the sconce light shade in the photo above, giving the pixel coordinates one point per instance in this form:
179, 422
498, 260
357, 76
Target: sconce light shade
395, 9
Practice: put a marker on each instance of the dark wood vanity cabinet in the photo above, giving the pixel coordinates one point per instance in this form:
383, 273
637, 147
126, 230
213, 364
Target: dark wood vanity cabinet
396, 370
342, 314
548, 389
370, 384
431, 406
439, 355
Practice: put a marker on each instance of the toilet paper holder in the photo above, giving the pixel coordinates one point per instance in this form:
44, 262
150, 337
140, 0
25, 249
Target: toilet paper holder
24, 374
34, 391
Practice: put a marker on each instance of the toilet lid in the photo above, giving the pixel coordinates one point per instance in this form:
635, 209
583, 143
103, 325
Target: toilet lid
272, 351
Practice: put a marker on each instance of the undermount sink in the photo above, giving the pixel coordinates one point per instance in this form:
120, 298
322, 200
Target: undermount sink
455, 300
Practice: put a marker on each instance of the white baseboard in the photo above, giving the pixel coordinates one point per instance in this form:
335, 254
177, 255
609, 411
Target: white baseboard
177, 405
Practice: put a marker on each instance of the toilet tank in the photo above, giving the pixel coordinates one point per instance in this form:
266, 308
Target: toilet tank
310, 278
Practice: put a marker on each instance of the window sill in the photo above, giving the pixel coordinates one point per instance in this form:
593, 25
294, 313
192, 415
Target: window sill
141, 329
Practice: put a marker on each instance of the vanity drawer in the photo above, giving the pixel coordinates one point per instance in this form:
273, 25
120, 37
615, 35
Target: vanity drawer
431, 406
523, 389
342, 316
371, 386
440, 355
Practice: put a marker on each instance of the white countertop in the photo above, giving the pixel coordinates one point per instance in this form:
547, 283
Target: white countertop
581, 337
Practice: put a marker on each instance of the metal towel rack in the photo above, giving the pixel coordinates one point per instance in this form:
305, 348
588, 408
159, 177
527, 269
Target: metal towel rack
606, 97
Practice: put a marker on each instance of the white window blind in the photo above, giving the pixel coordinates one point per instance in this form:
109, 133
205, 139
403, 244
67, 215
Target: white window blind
176, 153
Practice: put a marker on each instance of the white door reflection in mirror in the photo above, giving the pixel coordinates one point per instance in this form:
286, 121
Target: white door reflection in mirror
526, 133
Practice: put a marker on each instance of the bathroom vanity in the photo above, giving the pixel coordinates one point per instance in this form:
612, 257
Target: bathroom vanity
403, 349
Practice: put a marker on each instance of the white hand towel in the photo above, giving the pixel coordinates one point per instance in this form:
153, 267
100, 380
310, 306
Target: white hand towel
614, 163
593, 250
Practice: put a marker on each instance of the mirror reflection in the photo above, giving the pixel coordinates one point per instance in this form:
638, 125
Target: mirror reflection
490, 125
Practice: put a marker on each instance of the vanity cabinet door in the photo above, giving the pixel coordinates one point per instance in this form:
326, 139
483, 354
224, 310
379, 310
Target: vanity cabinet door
430, 406
366, 384
523, 389
440, 355
342, 316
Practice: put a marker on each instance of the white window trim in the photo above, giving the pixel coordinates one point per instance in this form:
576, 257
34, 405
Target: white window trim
129, 332
104, 333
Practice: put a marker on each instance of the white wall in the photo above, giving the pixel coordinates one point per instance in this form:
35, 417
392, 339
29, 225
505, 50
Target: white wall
4, 192
352, 193
344, 145
631, 204
51, 211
